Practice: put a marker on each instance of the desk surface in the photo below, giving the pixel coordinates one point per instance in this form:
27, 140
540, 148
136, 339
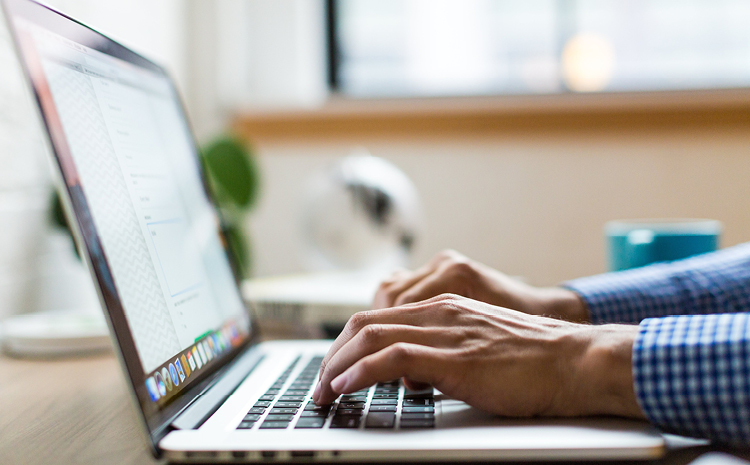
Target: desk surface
77, 411
74, 411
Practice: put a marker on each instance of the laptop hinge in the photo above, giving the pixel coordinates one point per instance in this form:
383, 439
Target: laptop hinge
209, 401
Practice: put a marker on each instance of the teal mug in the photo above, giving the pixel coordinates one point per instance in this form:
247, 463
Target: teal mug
635, 243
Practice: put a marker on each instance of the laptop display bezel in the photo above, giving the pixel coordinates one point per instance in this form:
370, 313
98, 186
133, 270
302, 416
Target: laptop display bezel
156, 420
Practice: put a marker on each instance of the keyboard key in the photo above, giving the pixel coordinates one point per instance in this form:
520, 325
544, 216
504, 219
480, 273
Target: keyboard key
417, 424
291, 398
426, 409
279, 417
282, 411
273, 392
267, 397
417, 416
386, 390
257, 410
313, 414
382, 408
313, 406
418, 402
353, 399
246, 425
274, 424
251, 417
296, 392
355, 405
385, 396
301, 386
380, 420
348, 411
310, 422
262, 403
394, 382
384, 402
345, 422
288, 404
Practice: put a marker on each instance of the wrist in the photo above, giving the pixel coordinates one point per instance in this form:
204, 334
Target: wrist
563, 303
604, 372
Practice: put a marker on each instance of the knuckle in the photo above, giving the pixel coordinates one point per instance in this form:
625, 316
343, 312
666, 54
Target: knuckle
323, 367
386, 284
401, 353
448, 298
450, 305
462, 269
405, 298
358, 320
372, 333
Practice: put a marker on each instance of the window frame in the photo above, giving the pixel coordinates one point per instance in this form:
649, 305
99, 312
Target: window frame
334, 55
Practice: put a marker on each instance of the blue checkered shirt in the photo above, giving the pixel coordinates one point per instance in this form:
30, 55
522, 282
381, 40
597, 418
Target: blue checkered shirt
691, 359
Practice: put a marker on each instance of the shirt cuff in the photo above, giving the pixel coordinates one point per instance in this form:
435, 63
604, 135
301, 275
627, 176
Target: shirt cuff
690, 375
628, 296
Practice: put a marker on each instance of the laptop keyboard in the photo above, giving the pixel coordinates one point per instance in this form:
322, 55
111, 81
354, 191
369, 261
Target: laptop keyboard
383, 406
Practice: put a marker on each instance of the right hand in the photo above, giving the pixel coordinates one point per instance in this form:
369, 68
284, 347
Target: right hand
449, 272
499, 360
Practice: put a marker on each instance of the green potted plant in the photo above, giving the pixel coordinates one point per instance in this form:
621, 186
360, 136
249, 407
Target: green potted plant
234, 182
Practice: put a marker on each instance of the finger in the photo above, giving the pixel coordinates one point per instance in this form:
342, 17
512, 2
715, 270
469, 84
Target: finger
372, 339
406, 315
390, 289
431, 286
414, 385
419, 363
417, 314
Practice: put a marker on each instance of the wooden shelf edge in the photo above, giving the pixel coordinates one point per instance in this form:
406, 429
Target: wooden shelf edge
653, 111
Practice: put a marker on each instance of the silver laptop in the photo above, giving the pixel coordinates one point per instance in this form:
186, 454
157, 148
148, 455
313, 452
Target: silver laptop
206, 390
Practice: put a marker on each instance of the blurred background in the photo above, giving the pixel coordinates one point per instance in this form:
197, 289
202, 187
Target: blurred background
524, 126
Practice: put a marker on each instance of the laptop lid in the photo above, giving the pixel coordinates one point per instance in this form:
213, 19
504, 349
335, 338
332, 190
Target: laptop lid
137, 197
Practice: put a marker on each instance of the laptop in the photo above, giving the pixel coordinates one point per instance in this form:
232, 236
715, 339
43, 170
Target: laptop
204, 386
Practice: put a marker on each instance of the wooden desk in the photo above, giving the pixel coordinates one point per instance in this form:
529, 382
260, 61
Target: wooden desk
77, 411
74, 411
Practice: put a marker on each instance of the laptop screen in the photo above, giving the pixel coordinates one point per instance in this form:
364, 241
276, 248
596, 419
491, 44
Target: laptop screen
131, 169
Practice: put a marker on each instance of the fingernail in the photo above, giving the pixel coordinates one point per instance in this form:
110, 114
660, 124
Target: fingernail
316, 393
339, 383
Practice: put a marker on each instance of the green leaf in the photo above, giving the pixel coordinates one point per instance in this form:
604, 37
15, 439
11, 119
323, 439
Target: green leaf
232, 171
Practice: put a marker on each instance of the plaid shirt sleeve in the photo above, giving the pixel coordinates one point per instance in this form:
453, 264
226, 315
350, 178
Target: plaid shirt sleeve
691, 371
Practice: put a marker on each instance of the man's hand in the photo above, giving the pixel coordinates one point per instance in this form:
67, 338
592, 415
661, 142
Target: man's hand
499, 360
451, 272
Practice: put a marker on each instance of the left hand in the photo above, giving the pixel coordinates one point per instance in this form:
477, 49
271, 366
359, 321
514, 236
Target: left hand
499, 360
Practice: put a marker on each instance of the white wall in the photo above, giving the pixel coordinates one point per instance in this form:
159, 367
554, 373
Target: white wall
250, 55
530, 206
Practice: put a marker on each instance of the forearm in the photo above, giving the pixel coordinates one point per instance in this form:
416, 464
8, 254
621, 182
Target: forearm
712, 283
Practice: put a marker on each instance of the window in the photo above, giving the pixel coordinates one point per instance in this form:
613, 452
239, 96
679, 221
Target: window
393, 48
